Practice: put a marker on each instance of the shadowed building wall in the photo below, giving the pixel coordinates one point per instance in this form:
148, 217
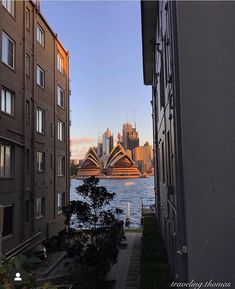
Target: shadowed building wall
188, 59
34, 127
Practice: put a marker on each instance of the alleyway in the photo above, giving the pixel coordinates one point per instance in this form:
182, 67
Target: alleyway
126, 270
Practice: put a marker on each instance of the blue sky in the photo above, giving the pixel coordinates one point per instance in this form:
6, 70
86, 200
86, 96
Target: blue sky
104, 40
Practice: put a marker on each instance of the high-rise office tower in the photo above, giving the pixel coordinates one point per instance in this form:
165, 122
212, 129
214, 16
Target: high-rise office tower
130, 137
100, 147
107, 143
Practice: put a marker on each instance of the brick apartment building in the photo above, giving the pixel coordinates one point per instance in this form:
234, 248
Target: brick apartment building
34, 128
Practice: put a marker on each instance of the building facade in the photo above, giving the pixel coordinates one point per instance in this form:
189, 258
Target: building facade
34, 128
130, 136
143, 156
188, 60
107, 143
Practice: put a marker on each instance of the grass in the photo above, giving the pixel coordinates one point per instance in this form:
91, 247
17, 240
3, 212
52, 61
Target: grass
133, 230
154, 268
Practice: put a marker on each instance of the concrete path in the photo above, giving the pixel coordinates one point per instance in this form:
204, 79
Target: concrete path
126, 270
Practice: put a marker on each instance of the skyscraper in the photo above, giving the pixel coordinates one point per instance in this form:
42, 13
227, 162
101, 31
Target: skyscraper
100, 147
130, 137
107, 143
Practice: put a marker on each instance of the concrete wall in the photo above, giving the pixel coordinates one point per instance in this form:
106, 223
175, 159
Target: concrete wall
206, 32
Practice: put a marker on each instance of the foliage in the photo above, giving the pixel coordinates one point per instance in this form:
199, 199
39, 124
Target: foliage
19, 262
94, 246
154, 270
73, 169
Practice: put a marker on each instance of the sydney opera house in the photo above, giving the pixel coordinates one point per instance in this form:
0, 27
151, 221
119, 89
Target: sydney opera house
118, 165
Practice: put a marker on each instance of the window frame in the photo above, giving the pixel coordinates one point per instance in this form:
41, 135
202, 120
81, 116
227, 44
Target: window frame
10, 10
60, 63
40, 70
61, 166
59, 90
40, 163
27, 70
60, 202
3, 174
40, 128
27, 19
60, 130
40, 207
4, 92
40, 37
4, 34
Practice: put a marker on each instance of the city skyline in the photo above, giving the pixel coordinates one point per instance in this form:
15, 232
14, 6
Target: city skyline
93, 142
105, 70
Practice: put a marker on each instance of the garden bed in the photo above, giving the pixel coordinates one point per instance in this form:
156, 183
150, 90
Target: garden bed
154, 268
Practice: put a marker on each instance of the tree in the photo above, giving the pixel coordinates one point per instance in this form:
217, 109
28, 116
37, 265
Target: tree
94, 233
73, 169
19, 262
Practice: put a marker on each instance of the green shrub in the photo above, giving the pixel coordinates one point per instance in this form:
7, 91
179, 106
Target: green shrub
154, 269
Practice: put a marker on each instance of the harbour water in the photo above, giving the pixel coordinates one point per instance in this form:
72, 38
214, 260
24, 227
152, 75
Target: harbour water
134, 191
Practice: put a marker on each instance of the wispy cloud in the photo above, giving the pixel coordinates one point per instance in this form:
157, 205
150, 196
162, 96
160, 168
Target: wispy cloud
82, 140
79, 146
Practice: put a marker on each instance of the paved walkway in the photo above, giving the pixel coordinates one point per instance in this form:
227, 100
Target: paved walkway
126, 270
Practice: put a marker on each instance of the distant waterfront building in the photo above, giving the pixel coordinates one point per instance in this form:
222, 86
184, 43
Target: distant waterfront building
188, 59
127, 127
34, 128
120, 164
90, 166
130, 137
100, 147
107, 143
143, 155
119, 138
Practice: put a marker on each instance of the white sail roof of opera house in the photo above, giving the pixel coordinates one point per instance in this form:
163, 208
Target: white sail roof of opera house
91, 159
117, 153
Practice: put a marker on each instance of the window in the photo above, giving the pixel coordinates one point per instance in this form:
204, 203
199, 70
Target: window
26, 212
27, 160
61, 202
40, 162
7, 101
27, 112
27, 65
8, 50
40, 121
61, 166
6, 161
60, 125
40, 207
27, 18
8, 220
40, 35
40, 76
9, 5
60, 96
60, 63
